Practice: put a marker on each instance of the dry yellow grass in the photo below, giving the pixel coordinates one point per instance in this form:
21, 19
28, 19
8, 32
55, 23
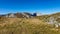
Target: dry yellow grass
26, 26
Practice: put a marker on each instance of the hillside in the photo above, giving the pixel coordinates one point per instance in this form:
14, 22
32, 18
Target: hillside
50, 18
45, 24
26, 26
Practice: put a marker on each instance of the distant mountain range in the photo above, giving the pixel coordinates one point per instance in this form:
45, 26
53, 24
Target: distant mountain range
20, 15
29, 15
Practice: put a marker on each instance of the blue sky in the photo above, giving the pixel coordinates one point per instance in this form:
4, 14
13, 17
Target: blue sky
42, 6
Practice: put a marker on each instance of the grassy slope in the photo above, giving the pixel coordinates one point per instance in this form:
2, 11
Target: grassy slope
26, 26
45, 18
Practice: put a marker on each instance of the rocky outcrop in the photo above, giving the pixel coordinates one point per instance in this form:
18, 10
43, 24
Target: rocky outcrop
54, 21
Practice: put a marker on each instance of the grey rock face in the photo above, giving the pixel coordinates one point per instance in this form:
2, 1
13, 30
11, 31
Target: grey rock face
10, 15
53, 21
